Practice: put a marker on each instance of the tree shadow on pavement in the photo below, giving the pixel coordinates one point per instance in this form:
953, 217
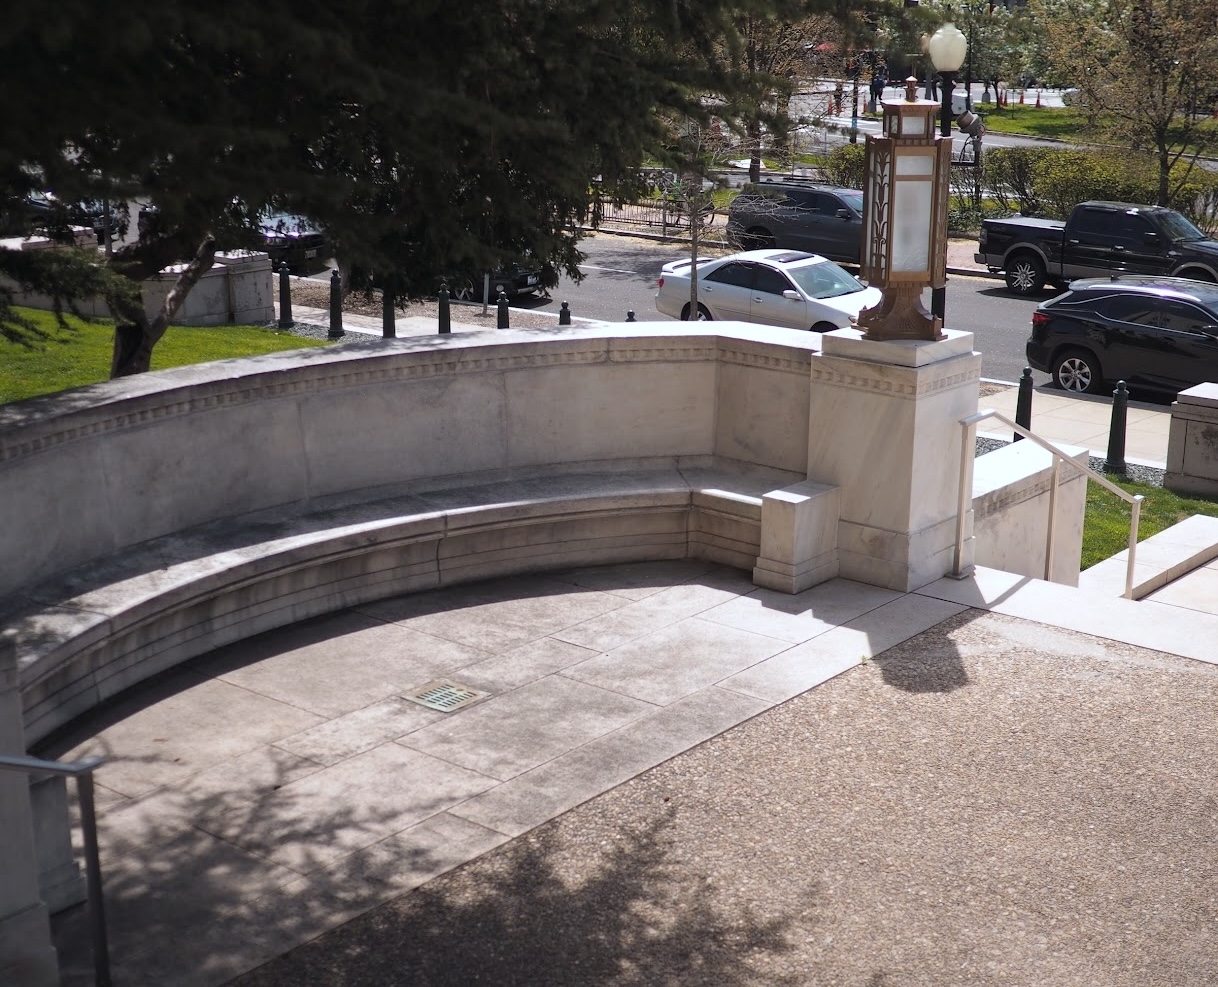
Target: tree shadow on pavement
543, 912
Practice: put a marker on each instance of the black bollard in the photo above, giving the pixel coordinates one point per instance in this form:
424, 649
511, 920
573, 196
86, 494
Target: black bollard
446, 322
629, 315
336, 307
389, 326
564, 315
1023, 402
1115, 463
503, 309
285, 299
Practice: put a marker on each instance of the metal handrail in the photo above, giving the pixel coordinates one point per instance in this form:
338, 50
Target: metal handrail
82, 771
968, 452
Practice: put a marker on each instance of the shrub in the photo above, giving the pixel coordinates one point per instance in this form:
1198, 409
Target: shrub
845, 166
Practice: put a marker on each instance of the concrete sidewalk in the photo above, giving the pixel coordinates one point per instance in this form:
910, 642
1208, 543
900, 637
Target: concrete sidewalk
1084, 420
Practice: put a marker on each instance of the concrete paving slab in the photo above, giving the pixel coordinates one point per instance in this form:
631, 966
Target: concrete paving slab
497, 617
523, 665
658, 610
188, 733
1142, 623
1196, 591
371, 658
799, 617
506, 735
676, 661
315, 821
358, 731
807, 665
524, 802
639, 580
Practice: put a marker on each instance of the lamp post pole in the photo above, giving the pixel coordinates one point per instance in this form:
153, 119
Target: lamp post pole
947, 48
854, 105
947, 81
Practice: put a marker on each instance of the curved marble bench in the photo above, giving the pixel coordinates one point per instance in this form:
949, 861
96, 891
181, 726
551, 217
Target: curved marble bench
87, 634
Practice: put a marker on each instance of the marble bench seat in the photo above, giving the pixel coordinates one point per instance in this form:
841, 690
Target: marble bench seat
91, 632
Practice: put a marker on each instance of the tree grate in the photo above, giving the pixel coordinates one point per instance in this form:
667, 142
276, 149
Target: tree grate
445, 696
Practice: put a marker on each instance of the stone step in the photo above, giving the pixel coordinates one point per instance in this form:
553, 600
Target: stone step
1160, 559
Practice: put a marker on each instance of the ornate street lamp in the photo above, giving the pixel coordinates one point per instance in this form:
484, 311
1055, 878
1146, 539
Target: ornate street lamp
947, 48
904, 245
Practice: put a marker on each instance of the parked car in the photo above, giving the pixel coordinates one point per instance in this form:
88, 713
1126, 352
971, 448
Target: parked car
772, 287
44, 212
798, 215
1098, 238
1155, 333
515, 280
294, 242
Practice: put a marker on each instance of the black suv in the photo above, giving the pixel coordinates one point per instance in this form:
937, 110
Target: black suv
798, 215
1156, 333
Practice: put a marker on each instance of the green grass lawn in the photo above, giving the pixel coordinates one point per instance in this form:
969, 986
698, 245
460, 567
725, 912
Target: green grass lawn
81, 353
1106, 527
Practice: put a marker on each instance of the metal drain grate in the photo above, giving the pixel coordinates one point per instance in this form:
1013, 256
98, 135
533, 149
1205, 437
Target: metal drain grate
445, 696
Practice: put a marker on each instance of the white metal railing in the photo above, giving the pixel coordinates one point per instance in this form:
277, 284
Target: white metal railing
82, 771
968, 452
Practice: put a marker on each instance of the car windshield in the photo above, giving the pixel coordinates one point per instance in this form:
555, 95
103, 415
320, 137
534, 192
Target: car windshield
824, 280
1179, 228
853, 199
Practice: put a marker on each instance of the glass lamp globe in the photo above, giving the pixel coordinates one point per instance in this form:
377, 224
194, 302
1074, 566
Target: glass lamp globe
947, 47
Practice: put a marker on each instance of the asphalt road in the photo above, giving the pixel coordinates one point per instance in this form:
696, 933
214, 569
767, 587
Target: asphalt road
620, 275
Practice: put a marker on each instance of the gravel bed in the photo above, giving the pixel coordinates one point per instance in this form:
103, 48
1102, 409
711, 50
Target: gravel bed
1151, 475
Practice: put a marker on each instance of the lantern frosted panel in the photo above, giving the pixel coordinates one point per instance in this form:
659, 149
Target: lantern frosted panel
912, 228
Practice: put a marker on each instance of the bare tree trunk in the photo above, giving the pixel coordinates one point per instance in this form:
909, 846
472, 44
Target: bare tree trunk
135, 334
695, 224
754, 142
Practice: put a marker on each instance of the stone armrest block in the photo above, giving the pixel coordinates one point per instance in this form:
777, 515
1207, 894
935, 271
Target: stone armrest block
89, 633
1160, 559
798, 537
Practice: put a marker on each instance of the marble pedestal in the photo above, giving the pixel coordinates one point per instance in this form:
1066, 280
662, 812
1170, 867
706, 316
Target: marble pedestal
884, 429
26, 954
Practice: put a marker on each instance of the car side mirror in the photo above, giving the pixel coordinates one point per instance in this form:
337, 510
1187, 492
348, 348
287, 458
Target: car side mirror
843, 214
793, 295
1150, 239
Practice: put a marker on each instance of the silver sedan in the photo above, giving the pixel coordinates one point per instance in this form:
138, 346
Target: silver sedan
771, 287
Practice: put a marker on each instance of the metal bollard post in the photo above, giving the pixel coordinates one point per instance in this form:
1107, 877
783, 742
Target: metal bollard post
446, 323
503, 310
285, 299
336, 307
564, 315
389, 327
629, 315
1115, 463
1023, 402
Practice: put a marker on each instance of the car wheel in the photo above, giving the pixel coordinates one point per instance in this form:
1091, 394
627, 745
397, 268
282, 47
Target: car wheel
1025, 274
463, 290
824, 327
1196, 274
758, 238
1078, 371
703, 314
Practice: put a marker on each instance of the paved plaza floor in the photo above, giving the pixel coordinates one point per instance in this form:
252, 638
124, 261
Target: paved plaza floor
675, 778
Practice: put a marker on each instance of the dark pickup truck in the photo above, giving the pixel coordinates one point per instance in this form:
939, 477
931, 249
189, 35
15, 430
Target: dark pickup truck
1099, 238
